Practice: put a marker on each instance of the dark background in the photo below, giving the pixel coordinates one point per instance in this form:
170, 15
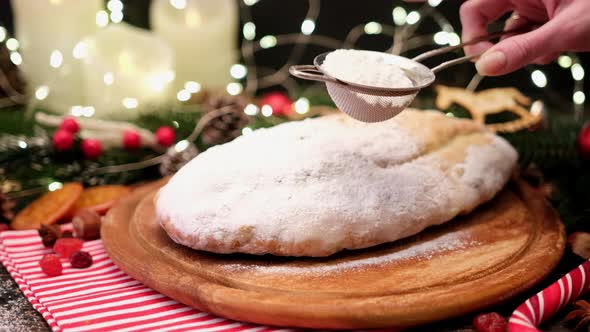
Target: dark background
338, 17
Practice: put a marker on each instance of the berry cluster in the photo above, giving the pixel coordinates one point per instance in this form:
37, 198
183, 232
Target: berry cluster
65, 248
63, 139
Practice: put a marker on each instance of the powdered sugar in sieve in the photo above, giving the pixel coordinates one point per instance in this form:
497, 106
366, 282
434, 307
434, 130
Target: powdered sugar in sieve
368, 68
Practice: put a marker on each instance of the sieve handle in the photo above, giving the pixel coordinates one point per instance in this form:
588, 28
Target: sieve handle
453, 62
310, 72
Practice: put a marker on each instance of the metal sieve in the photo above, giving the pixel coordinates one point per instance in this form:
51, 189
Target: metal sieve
374, 104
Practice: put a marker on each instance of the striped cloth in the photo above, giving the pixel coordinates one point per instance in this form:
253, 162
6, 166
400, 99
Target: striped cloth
101, 297
544, 304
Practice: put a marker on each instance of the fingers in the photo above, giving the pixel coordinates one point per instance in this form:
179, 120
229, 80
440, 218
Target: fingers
546, 59
517, 51
475, 17
517, 22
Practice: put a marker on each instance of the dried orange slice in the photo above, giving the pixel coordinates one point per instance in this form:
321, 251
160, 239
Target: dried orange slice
99, 198
49, 208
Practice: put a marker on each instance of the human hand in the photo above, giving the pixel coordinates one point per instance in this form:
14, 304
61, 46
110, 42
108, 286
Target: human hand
564, 25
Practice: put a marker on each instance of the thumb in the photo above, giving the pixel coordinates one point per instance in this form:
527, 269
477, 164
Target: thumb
518, 51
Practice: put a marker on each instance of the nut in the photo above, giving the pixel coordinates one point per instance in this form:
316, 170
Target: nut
49, 234
579, 242
87, 224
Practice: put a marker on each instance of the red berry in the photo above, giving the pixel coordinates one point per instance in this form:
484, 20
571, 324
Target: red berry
165, 136
65, 247
91, 148
584, 142
70, 124
3, 227
131, 139
51, 265
62, 140
81, 260
489, 322
280, 103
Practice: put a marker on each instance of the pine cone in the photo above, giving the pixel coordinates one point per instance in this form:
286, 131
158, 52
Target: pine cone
174, 160
227, 126
11, 72
6, 209
579, 317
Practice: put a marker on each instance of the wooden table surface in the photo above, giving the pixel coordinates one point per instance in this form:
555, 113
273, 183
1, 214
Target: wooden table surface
16, 314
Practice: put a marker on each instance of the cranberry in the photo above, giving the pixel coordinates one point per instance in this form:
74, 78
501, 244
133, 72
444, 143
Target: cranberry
489, 322
81, 260
65, 247
51, 265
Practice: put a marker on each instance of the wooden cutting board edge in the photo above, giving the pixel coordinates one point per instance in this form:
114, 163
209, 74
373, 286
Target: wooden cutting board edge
213, 296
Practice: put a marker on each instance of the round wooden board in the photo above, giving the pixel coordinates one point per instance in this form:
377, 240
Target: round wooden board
503, 248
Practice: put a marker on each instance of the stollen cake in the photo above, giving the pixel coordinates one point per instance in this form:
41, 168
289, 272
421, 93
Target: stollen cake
318, 186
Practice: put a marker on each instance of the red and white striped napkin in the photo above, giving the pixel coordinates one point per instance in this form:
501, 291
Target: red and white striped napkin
104, 298
101, 297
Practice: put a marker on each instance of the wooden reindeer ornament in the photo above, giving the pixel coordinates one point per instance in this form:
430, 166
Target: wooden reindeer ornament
492, 101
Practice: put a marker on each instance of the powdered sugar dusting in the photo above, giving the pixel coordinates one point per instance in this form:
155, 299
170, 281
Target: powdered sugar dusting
426, 250
15, 311
315, 187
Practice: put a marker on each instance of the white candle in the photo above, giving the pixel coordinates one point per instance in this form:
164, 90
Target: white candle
203, 34
126, 70
48, 31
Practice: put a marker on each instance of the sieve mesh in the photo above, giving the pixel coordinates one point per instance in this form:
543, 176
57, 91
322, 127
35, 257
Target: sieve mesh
368, 107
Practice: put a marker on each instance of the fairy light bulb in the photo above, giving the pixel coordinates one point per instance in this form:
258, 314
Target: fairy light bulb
373, 28
234, 88
108, 78
116, 17
454, 39
178, 4
12, 44
441, 38
268, 41
413, 17
80, 50
238, 71
307, 27
181, 145
102, 18
249, 31
88, 111
130, 103
115, 5
183, 95
53, 186
16, 58
42, 92
564, 61
192, 87
539, 78
579, 97
251, 109
302, 105
399, 15
56, 59
577, 72
266, 110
